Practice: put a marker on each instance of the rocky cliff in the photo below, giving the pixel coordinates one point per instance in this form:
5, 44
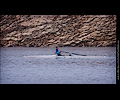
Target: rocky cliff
58, 30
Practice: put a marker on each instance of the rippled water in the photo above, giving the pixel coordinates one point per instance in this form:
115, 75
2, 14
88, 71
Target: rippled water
16, 69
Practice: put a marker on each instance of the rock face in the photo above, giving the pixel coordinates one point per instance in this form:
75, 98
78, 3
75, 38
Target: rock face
57, 30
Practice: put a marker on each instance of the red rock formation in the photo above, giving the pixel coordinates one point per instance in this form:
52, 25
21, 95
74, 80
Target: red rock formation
58, 30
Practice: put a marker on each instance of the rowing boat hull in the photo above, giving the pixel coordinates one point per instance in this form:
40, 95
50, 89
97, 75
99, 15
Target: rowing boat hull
54, 56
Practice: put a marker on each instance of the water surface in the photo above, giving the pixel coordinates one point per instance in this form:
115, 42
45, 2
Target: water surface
16, 69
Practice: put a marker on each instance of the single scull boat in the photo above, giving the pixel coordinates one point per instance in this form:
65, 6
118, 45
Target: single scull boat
55, 56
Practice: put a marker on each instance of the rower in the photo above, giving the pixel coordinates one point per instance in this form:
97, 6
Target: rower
58, 52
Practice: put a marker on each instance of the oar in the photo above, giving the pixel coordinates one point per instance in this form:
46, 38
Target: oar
66, 52
74, 53
78, 54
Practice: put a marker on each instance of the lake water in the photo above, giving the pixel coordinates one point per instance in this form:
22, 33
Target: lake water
16, 69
